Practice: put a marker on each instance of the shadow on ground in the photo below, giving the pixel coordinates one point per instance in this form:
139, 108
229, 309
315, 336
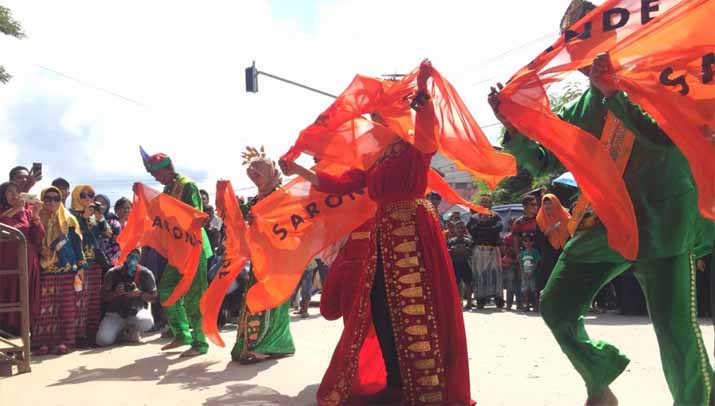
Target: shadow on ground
248, 395
156, 368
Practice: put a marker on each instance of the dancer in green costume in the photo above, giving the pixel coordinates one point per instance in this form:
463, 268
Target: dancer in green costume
184, 317
664, 196
264, 335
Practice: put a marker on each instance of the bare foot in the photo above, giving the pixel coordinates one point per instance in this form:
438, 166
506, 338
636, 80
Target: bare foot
605, 398
191, 352
172, 345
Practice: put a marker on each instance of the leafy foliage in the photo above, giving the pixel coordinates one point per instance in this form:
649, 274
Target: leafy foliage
8, 26
511, 190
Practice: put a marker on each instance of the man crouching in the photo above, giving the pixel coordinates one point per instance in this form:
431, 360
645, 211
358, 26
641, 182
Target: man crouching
126, 292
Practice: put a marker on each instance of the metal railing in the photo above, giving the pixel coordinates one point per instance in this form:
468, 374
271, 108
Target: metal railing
13, 349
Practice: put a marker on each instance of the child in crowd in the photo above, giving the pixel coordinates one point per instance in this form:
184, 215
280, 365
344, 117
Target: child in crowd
460, 249
530, 259
510, 270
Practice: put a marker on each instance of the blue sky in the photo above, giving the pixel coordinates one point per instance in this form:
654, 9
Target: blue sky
185, 70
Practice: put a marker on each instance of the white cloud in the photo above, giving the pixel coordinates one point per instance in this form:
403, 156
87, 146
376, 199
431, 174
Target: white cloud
183, 62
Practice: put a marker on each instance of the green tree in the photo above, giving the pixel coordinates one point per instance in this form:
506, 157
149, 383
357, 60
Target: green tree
511, 190
8, 26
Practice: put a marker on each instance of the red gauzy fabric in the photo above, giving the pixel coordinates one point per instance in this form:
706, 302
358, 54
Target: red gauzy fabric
171, 227
437, 183
290, 227
612, 27
342, 135
237, 255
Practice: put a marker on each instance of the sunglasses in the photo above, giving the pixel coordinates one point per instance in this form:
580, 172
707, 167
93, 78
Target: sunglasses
50, 199
85, 195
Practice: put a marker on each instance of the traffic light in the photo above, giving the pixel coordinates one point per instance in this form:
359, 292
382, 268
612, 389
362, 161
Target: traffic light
252, 78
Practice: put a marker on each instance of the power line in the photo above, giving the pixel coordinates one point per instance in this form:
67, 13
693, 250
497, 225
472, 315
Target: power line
83, 83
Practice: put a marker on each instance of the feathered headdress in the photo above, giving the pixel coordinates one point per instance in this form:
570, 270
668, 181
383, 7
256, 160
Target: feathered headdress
258, 161
252, 154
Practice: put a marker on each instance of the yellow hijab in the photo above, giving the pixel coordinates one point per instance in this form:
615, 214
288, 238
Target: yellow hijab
76, 203
560, 235
56, 224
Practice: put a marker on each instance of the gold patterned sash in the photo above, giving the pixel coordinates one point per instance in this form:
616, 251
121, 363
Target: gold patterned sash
619, 143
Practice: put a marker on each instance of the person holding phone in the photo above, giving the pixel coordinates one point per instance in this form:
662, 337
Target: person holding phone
25, 178
22, 213
93, 225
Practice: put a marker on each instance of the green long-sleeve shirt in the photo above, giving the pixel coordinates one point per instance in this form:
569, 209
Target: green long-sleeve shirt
657, 176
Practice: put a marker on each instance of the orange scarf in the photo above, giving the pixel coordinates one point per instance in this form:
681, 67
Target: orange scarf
559, 214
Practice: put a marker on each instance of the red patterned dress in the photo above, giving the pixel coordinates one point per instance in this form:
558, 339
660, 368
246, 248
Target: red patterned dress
410, 271
9, 284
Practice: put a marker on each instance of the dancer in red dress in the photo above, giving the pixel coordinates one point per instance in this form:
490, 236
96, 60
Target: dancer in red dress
407, 292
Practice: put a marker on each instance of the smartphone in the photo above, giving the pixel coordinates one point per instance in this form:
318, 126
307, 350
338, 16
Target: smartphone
29, 198
36, 169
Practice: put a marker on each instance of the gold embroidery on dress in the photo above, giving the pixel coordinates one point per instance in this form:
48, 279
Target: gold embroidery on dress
420, 346
411, 292
406, 247
409, 262
334, 396
428, 363
410, 278
402, 214
429, 380
360, 235
431, 397
404, 231
417, 330
414, 309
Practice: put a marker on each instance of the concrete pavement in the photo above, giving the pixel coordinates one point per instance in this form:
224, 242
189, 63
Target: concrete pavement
513, 361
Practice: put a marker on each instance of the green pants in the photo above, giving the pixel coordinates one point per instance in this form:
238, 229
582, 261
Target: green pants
669, 288
184, 316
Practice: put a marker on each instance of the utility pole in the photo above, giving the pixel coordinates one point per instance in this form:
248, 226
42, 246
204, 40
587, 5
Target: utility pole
252, 81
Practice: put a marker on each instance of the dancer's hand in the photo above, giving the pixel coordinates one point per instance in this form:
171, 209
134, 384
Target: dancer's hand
495, 103
288, 168
601, 66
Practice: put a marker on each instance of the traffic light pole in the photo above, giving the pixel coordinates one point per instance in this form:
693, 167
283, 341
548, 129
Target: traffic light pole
297, 84
252, 81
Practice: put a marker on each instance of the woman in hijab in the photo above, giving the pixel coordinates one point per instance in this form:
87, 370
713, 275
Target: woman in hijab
93, 225
264, 335
15, 212
108, 240
552, 219
62, 267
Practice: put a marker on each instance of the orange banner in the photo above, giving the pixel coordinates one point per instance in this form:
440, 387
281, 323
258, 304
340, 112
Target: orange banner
237, 254
342, 135
674, 81
628, 30
169, 226
290, 227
